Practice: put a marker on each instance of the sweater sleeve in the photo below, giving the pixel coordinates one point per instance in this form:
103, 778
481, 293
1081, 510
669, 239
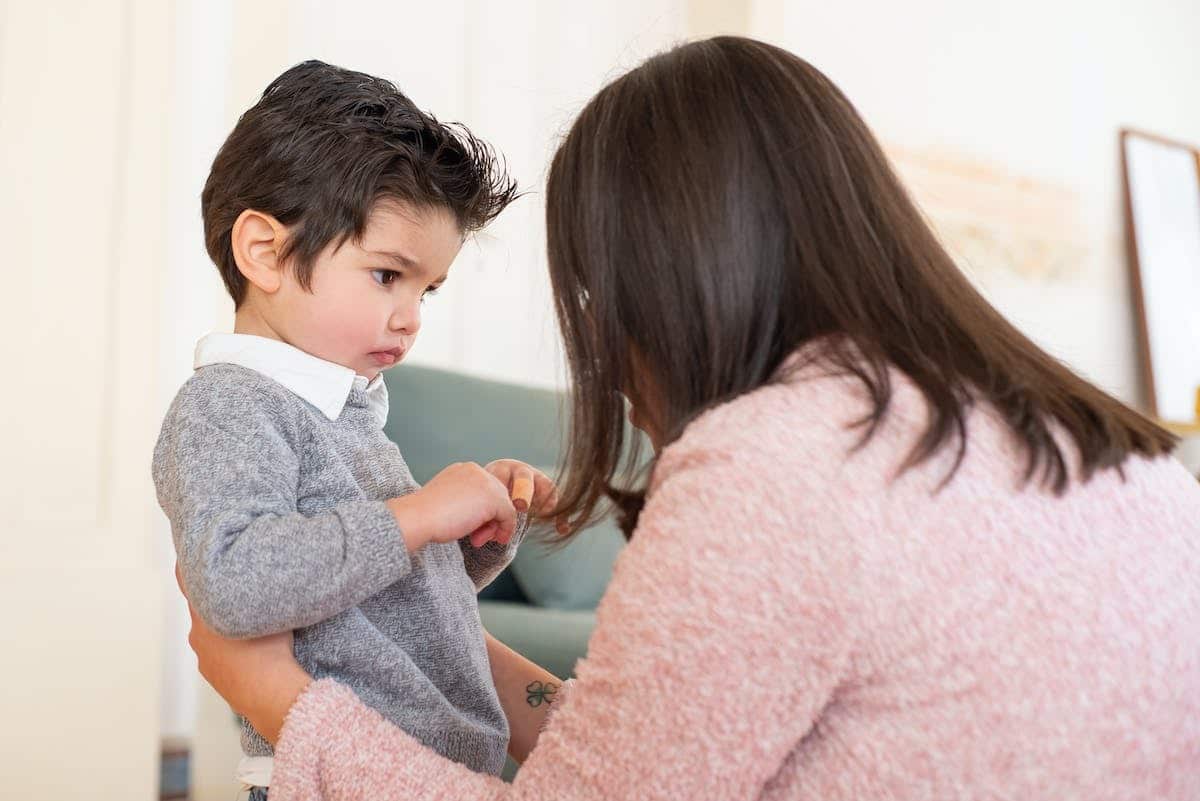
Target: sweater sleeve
227, 477
717, 646
485, 563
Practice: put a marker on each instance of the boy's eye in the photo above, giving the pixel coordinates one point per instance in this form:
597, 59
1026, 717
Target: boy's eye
433, 290
384, 277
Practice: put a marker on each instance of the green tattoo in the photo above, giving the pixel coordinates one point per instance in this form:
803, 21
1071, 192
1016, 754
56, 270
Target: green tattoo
538, 693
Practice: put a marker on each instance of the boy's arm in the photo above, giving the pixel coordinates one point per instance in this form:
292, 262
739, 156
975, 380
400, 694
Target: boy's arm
251, 563
527, 692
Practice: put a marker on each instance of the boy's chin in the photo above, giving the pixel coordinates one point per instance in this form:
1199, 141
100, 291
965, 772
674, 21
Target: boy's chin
370, 368
369, 371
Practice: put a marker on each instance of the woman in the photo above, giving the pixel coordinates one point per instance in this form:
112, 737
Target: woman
888, 547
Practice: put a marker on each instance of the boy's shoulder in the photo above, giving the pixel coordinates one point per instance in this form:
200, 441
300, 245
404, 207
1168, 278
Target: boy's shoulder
222, 407
223, 392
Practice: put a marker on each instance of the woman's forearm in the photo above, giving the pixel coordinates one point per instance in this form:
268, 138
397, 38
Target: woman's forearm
526, 692
275, 698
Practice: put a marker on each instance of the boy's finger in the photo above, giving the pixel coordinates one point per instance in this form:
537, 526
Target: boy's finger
480, 536
506, 519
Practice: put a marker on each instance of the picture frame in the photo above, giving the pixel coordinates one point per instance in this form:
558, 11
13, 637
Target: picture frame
1161, 187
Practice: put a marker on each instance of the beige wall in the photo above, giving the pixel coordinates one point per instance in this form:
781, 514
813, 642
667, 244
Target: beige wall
82, 144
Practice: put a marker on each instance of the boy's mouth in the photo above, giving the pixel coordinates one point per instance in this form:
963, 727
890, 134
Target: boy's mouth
385, 358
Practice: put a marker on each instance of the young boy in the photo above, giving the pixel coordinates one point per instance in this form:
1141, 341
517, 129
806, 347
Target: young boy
332, 209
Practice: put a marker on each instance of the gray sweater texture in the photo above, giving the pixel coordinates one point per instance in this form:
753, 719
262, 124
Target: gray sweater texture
279, 523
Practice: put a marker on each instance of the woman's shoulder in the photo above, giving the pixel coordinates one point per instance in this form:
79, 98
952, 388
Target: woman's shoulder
808, 434
801, 420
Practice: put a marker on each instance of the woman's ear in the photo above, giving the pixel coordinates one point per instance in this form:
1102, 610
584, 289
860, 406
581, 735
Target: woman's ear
257, 241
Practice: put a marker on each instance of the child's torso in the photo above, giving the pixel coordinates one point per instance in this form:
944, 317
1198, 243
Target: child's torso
415, 651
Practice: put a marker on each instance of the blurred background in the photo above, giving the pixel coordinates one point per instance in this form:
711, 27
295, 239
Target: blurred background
1003, 118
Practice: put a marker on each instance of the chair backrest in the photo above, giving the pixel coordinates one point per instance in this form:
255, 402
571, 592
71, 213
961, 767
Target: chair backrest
439, 417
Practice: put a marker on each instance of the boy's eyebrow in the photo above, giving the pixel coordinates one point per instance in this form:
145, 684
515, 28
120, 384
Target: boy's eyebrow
396, 258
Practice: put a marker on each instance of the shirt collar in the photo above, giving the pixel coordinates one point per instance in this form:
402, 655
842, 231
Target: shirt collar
325, 385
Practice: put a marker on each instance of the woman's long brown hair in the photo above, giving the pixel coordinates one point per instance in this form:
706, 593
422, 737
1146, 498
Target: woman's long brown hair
723, 204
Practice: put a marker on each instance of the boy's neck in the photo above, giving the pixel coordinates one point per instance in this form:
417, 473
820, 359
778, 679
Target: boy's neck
247, 320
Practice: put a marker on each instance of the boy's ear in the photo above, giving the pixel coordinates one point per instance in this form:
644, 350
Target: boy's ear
257, 240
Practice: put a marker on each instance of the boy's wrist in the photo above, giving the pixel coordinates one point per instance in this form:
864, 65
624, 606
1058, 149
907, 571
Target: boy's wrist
407, 516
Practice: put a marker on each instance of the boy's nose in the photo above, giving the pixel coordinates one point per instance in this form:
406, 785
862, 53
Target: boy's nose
406, 319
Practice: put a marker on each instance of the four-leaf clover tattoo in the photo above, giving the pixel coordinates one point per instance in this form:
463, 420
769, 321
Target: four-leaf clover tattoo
539, 692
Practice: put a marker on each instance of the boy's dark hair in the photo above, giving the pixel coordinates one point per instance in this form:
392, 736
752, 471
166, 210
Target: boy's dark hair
322, 146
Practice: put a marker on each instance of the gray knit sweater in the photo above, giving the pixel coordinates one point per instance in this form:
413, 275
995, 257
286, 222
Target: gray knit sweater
279, 523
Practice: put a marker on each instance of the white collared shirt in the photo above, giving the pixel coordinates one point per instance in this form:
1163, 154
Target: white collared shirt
324, 384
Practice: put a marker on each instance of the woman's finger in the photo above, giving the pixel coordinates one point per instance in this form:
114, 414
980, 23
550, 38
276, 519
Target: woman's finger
518, 477
502, 469
191, 611
517, 482
547, 492
522, 491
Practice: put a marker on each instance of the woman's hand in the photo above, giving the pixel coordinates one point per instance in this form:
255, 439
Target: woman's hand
531, 490
259, 678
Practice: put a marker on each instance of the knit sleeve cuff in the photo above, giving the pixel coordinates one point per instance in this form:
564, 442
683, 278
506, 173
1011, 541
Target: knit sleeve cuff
485, 563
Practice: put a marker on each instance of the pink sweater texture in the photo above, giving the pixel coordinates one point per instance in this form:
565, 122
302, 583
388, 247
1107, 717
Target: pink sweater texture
794, 619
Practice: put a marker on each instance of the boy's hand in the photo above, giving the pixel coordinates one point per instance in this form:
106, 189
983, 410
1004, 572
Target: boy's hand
464, 499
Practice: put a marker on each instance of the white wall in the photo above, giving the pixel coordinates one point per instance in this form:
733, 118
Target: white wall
192, 302
1040, 88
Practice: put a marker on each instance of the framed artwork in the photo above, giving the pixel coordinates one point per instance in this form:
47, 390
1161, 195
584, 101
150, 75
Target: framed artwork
992, 219
1162, 212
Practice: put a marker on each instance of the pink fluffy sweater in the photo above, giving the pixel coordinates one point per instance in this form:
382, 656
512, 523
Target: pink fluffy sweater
794, 620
